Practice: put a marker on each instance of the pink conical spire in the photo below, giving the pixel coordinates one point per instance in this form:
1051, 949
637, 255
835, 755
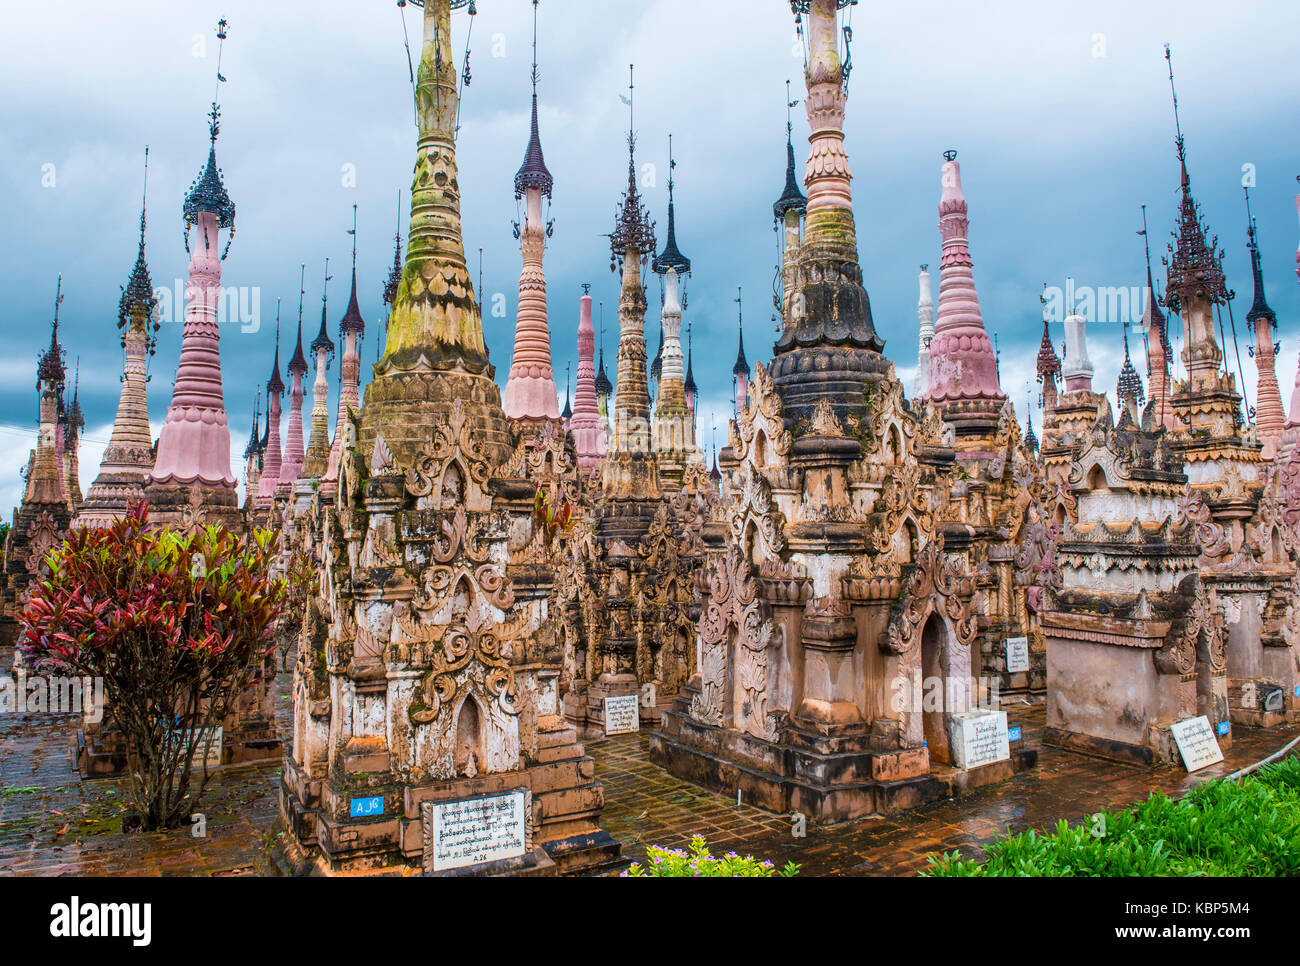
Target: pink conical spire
530, 389
962, 361
586, 425
194, 445
274, 391
350, 330
294, 454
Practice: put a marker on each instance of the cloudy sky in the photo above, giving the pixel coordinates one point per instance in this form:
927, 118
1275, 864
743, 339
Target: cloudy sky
1062, 119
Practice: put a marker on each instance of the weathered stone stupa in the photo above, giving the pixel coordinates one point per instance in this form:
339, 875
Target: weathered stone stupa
428, 729
624, 588
41, 521
828, 347
128, 458
828, 588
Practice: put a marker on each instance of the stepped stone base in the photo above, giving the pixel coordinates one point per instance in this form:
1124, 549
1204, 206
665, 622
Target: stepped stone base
829, 779
565, 798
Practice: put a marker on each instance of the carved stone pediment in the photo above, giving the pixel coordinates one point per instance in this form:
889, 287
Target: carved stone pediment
938, 584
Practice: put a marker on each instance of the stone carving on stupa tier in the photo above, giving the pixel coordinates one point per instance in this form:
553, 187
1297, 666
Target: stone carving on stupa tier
851, 566
41, 521
1136, 639
426, 691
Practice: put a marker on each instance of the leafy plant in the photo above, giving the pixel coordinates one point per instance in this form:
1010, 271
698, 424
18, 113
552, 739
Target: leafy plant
1248, 827
550, 520
698, 863
177, 625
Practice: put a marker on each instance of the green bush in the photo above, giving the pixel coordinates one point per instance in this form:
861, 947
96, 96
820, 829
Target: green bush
699, 864
1249, 827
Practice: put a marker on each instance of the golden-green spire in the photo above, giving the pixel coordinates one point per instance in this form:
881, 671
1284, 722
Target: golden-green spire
435, 314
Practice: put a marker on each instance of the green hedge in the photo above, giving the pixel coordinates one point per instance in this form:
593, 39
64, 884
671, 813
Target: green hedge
1248, 827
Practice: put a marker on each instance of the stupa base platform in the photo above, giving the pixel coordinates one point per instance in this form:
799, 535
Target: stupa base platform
828, 779
563, 806
183, 506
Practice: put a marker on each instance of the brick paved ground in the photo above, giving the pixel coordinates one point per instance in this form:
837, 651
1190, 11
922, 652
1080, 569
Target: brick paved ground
53, 823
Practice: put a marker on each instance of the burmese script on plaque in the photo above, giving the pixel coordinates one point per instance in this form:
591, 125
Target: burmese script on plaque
622, 714
477, 830
1196, 743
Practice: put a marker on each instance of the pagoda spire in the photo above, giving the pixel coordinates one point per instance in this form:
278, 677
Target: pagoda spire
604, 388
1031, 439
1049, 364
351, 328
274, 458
672, 431
588, 428
925, 325
1159, 352
631, 242
435, 359
1128, 388
44, 480
963, 366
194, 444
692, 391
1291, 434
740, 371
291, 465
828, 349
789, 210
128, 458
1270, 418
1196, 283
318, 444
253, 454
530, 395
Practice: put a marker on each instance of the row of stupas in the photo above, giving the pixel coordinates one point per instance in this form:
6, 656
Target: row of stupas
500, 578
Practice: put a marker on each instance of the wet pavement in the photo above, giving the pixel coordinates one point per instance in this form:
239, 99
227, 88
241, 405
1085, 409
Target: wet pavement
54, 823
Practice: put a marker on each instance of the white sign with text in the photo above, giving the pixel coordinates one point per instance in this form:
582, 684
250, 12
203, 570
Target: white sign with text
476, 830
979, 737
1196, 743
1017, 654
622, 714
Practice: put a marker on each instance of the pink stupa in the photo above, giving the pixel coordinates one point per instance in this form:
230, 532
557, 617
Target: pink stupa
350, 331
194, 445
586, 425
294, 453
273, 460
962, 363
530, 389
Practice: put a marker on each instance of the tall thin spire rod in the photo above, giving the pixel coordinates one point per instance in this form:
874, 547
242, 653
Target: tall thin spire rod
222, 32
534, 75
353, 233
1178, 127
144, 191
631, 106
302, 291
